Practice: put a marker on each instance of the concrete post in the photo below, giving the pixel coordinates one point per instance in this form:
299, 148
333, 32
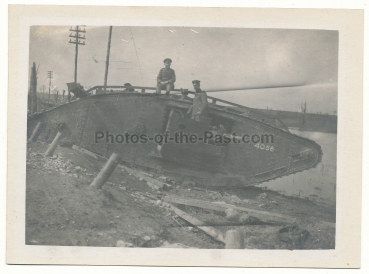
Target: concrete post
54, 145
234, 239
106, 171
35, 132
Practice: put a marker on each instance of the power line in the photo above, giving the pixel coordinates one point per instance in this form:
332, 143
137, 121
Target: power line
138, 60
66, 48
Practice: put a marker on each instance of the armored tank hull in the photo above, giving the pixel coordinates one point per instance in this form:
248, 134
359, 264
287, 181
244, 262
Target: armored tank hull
233, 147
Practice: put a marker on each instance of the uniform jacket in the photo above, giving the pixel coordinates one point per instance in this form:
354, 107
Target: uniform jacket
166, 74
200, 103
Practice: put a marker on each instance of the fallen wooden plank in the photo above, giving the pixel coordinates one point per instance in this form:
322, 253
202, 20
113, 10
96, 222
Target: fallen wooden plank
265, 215
152, 182
211, 231
85, 152
135, 173
193, 202
139, 174
178, 222
147, 174
262, 215
150, 196
153, 185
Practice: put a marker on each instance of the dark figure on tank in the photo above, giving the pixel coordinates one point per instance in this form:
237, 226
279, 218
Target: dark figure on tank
199, 106
129, 88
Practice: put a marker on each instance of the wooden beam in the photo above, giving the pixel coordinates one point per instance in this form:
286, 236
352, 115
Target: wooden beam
36, 132
211, 231
234, 239
153, 182
153, 186
265, 215
139, 174
85, 152
262, 215
106, 171
193, 202
54, 144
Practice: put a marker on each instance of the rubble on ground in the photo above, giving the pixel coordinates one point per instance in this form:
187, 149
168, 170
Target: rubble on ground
130, 212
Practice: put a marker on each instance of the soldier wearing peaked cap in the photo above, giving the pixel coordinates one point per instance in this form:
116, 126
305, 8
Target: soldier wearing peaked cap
199, 104
166, 77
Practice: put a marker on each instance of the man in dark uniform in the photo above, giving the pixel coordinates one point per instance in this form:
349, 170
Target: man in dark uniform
199, 104
166, 78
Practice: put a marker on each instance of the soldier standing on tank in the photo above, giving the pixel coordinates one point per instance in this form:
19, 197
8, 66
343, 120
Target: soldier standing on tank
166, 78
199, 106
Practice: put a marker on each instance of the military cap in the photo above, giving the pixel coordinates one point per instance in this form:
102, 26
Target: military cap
195, 81
167, 59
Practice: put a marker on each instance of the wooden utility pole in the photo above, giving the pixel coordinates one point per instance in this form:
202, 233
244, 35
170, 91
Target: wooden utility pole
49, 75
77, 41
107, 59
39, 94
33, 89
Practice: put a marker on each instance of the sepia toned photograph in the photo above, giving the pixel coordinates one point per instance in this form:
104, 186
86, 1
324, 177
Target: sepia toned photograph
182, 137
150, 137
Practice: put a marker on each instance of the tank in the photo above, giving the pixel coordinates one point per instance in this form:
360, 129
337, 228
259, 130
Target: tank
235, 145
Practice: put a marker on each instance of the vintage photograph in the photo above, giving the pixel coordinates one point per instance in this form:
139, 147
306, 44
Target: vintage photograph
182, 137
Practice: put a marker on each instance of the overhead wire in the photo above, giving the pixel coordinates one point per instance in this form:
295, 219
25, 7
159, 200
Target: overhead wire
66, 48
138, 60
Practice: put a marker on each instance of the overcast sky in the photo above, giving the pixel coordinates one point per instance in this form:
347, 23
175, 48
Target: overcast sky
222, 58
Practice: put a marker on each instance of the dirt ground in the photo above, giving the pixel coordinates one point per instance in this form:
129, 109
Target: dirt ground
63, 210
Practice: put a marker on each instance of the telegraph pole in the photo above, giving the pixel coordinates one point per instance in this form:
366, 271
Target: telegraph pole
33, 89
76, 41
50, 76
107, 59
39, 95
